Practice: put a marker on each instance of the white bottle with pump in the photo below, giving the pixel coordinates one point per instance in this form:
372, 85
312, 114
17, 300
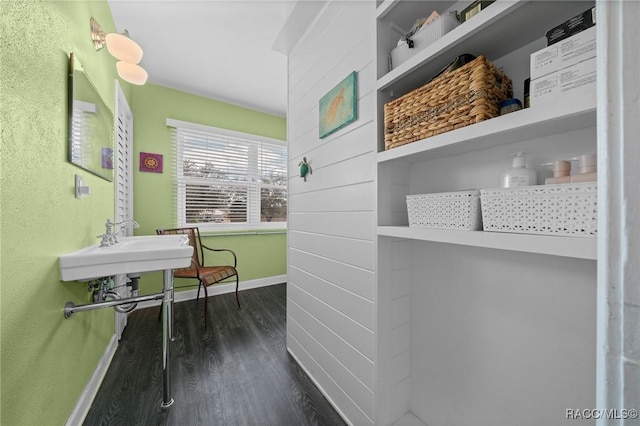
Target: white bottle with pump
519, 175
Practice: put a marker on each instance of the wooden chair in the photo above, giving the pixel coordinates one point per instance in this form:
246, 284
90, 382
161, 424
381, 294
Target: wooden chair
206, 275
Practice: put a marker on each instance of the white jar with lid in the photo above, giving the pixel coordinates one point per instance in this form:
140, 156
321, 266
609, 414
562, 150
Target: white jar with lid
561, 172
587, 169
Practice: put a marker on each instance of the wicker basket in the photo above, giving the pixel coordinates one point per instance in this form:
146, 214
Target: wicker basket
468, 95
445, 210
562, 209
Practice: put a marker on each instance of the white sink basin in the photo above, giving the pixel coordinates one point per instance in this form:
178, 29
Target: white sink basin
130, 255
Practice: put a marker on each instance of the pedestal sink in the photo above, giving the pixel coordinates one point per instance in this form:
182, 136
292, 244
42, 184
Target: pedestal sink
133, 255
130, 255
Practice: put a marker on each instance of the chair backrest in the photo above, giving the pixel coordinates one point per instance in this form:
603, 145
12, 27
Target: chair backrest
194, 241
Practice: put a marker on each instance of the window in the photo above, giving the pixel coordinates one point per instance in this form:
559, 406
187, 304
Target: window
228, 180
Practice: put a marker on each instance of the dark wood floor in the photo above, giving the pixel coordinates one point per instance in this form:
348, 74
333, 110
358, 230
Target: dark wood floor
237, 372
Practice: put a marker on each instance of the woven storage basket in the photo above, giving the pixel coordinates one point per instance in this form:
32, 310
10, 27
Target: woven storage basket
562, 209
445, 210
468, 95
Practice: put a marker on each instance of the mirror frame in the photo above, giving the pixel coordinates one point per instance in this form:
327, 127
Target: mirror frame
95, 156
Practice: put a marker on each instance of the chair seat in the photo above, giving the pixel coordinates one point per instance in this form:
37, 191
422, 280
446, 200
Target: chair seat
208, 274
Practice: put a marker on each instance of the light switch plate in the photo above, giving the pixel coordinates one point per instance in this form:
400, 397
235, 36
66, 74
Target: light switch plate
81, 190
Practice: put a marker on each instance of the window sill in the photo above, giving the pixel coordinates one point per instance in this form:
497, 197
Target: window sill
240, 232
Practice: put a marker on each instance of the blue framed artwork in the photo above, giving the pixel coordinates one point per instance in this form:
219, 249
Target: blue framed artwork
339, 106
107, 158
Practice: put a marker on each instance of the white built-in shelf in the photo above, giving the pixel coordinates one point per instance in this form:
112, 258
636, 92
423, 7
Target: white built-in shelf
572, 247
573, 113
501, 28
406, 14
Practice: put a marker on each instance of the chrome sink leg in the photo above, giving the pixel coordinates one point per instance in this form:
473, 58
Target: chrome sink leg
167, 332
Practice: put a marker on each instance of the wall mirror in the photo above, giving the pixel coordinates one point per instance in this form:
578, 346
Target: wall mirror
90, 124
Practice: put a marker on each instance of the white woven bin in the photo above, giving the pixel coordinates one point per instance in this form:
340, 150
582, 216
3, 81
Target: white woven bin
423, 38
445, 210
563, 209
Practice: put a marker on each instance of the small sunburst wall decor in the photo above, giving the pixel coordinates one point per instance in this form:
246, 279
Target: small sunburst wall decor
150, 162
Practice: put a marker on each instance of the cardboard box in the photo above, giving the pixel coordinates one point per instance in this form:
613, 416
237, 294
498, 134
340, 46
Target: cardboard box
552, 87
473, 9
581, 22
570, 51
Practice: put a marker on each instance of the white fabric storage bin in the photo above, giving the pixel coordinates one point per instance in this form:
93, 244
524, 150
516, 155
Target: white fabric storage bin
445, 210
423, 38
569, 209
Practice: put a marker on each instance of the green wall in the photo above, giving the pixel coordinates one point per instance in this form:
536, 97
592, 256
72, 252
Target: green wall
259, 256
46, 360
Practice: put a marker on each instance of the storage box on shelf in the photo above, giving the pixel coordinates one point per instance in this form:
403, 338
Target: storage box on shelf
561, 209
445, 210
556, 86
423, 38
473, 9
568, 52
572, 26
565, 67
468, 95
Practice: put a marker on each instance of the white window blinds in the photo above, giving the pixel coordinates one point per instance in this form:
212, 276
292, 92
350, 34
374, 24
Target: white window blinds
83, 115
227, 179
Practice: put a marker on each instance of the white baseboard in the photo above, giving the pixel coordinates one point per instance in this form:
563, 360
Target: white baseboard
88, 394
409, 419
182, 296
320, 388
86, 398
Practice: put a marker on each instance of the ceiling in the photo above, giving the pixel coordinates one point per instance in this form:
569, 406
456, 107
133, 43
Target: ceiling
218, 49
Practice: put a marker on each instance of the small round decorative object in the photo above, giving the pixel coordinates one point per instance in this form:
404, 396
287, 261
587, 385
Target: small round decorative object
150, 162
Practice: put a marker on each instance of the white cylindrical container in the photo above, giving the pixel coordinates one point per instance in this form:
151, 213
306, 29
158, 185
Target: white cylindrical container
561, 172
587, 163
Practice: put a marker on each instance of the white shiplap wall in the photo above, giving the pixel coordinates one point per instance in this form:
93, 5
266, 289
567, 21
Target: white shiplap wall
331, 242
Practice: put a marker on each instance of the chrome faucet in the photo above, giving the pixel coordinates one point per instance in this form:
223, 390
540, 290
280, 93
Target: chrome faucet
110, 238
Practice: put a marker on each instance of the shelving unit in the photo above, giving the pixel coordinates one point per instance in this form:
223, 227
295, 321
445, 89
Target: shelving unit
506, 32
577, 112
572, 247
485, 33
500, 29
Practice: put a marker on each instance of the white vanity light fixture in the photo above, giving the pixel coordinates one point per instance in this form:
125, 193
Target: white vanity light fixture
132, 73
122, 47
